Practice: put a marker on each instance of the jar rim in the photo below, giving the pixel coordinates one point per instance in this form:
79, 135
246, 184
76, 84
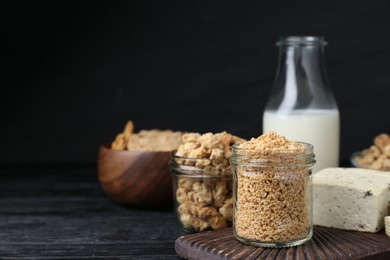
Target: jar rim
266, 158
307, 147
196, 171
296, 40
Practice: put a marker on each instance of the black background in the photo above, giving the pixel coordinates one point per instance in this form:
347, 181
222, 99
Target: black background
74, 73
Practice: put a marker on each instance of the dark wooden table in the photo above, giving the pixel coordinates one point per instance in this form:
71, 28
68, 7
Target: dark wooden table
62, 213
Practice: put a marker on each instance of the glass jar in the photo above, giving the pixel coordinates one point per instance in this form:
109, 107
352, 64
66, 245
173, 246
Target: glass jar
301, 105
203, 194
273, 196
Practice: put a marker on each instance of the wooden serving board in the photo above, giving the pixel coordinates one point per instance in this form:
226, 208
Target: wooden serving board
326, 243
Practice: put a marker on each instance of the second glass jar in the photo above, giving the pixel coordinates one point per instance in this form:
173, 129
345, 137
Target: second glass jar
203, 195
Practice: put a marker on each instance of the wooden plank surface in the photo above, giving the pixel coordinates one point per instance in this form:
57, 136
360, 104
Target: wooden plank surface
62, 213
326, 244
56, 213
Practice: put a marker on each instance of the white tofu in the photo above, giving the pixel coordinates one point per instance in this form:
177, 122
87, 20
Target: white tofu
351, 198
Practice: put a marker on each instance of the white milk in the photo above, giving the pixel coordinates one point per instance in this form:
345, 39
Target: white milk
321, 128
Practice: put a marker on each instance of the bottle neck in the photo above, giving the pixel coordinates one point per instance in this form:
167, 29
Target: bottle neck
302, 63
301, 80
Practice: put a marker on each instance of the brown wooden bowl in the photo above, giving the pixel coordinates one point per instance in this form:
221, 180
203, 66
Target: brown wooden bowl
136, 178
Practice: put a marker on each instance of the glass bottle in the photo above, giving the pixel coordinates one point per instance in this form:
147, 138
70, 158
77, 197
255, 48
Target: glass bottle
301, 105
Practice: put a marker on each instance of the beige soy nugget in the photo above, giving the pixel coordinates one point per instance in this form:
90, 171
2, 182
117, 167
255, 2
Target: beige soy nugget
121, 140
146, 140
377, 156
216, 148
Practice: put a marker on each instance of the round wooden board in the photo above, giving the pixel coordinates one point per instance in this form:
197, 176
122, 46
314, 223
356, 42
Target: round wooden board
327, 243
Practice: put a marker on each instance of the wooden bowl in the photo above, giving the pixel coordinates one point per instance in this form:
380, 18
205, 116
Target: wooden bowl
136, 178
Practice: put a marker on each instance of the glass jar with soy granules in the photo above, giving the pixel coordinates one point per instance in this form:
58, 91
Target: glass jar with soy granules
202, 177
272, 191
203, 197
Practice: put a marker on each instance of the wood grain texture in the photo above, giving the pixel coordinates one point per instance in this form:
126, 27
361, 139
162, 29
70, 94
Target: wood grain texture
326, 243
137, 178
55, 213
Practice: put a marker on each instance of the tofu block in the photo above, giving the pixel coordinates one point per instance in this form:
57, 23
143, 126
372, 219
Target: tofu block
351, 198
